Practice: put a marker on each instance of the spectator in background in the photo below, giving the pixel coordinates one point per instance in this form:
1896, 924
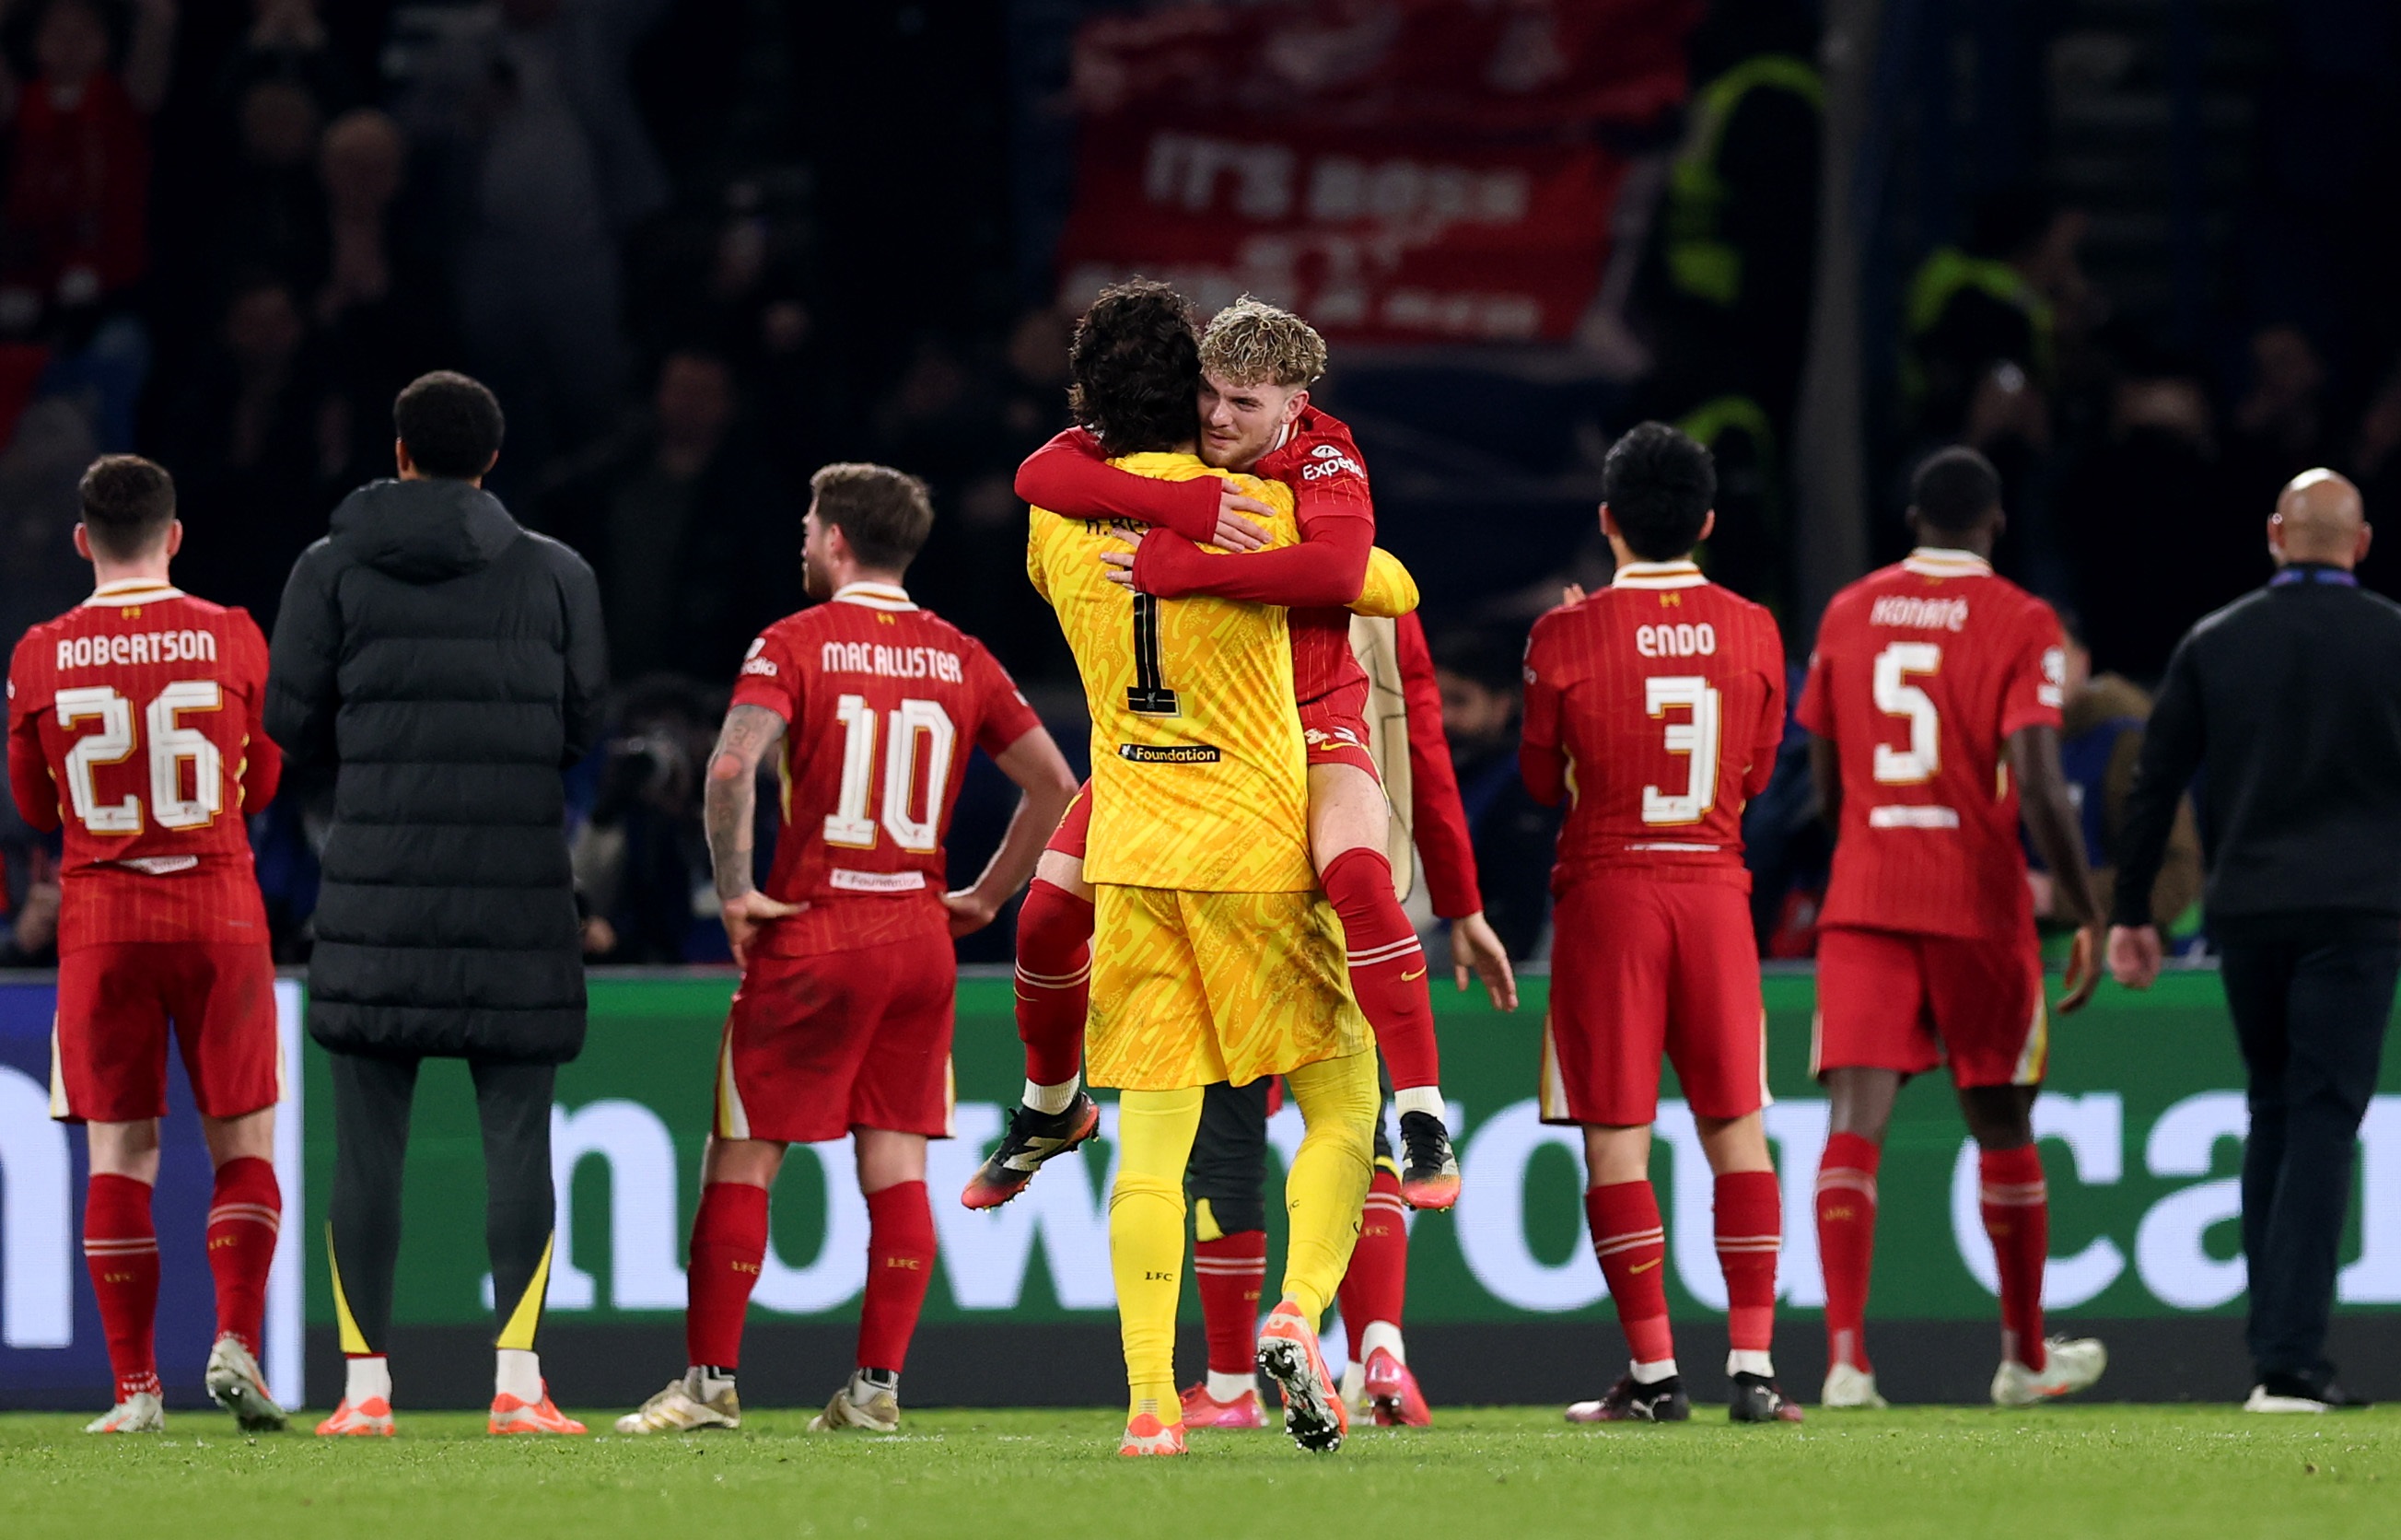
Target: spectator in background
2100, 743
1985, 319
250, 442
382, 307
1515, 837
270, 210
287, 43
548, 167
79, 160
2153, 536
641, 860
684, 523
73, 228
2278, 426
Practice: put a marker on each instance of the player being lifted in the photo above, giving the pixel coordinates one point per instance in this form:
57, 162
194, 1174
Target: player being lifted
842, 1021
133, 721
1656, 706
1933, 699
1257, 364
1214, 958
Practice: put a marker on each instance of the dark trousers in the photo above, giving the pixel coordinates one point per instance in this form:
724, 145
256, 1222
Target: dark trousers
1228, 1167
2310, 1015
371, 1105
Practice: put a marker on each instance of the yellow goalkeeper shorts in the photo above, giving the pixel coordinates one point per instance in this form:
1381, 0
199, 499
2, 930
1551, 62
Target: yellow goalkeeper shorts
1193, 988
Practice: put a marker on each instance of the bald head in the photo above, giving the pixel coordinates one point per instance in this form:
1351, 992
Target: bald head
2319, 517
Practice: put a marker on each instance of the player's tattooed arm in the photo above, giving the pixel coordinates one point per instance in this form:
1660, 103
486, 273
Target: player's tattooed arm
729, 803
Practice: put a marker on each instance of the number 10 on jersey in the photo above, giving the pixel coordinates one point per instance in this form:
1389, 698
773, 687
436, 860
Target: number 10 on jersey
915, 723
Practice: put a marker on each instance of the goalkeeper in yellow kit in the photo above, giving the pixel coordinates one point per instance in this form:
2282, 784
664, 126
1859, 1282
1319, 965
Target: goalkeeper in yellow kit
1215, 955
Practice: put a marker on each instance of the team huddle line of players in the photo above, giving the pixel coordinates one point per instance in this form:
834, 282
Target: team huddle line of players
1214, 920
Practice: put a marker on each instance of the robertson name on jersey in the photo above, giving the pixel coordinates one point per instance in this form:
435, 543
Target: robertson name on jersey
882, 701
1921, 672
134, 725
1659, 703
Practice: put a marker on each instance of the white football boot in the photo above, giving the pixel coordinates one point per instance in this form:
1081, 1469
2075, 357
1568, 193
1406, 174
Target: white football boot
1849, 1389
2070, 1364
861, 1407
140, 1412
236, 1384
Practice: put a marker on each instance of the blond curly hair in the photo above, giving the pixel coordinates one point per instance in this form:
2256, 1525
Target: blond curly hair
1250, 342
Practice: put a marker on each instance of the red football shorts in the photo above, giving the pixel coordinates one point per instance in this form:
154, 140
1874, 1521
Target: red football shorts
1890, 1000
1334, 727
108, 1046
817, 1046
1640, 968
1076, 826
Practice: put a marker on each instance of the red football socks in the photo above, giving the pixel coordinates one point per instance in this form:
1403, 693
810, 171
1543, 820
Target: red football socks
1233, 1273
1054, 981
1632, 1245
121, 1249
1749, 1232
245, 1211
899, 1265
1846, 1215
2017, 1217
728, 1241
1378, 1277
1388, 967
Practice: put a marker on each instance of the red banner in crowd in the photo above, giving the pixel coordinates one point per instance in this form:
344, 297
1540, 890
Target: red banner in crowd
1398, 170
1476, 66
1370, 240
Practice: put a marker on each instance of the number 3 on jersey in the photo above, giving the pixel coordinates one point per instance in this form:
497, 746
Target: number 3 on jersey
1697, 738
850, 825
172, 745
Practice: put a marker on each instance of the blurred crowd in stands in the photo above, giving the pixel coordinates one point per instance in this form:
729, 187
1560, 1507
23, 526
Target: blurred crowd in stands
678, 240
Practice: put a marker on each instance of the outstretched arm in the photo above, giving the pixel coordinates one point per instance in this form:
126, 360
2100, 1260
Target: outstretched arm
728, 805
1071, 476
1327, 570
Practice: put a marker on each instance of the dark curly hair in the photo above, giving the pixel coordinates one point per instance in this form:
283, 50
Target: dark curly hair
1659, 486
1135, 367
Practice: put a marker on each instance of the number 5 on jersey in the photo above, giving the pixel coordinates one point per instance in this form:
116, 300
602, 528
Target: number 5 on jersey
850, 825
1895, 696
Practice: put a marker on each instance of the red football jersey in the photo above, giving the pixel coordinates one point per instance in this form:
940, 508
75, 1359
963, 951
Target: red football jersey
1921, 672
1328, 476
1658, 703
133, 720
882, 701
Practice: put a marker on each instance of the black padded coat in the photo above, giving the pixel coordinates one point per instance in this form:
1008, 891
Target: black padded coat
447, 665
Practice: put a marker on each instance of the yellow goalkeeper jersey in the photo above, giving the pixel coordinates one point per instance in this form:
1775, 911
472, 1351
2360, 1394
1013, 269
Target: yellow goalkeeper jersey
1199, 777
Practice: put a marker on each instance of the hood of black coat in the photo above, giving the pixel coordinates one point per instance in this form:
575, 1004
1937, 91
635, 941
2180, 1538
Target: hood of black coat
426, 530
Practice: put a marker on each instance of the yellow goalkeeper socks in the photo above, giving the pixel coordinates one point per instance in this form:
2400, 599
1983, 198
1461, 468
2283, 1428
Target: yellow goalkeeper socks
1154, 1130
1327, 1186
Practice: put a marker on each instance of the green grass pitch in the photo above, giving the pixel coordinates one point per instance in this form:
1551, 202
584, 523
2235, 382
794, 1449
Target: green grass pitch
1499, 1473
